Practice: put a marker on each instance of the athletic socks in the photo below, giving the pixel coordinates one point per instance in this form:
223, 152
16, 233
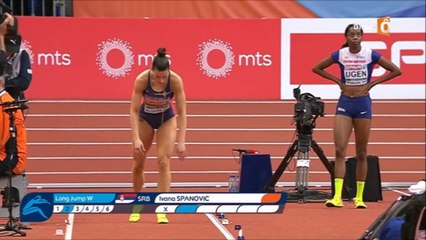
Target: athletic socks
359, 203
337, 198
338, 186
359, 189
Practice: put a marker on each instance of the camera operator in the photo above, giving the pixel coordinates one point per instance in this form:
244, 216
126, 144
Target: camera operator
17, 71
13, 155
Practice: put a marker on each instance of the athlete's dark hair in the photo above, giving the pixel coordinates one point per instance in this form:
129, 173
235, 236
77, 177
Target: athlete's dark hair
161, 62
352, 25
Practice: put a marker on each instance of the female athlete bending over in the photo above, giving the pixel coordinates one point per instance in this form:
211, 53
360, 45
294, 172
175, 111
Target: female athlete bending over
155, 116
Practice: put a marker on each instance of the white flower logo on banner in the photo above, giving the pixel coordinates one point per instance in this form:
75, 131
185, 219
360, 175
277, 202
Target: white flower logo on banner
25, 45
102, 61
202, 58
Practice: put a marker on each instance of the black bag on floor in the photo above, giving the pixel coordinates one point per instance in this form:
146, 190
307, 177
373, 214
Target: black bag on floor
373, 182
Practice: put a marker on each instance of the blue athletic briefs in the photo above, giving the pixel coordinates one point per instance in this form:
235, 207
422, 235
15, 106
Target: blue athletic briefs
155, 120
354, 107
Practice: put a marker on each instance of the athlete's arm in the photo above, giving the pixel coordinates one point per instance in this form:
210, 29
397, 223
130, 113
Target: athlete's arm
181, 112
323, 64
394, 71
139, 86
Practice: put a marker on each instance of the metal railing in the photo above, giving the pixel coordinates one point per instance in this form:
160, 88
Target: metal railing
60, 8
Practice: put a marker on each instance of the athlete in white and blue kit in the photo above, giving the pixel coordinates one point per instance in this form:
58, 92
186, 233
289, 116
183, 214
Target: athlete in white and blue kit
354, 107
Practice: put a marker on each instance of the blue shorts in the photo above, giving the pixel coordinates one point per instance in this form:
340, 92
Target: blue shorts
354, 107
155, 120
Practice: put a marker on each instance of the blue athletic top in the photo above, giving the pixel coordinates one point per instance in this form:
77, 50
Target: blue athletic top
356, 68
155, 101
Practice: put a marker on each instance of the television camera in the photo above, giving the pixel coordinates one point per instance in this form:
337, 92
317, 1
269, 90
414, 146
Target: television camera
307, 109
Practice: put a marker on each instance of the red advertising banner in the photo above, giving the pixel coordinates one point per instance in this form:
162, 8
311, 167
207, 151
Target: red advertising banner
99, 58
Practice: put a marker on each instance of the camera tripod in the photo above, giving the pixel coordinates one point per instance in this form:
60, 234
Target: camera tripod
302, 145
13, 225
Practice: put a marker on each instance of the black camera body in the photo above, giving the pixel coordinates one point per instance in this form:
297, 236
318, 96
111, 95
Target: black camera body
307, 109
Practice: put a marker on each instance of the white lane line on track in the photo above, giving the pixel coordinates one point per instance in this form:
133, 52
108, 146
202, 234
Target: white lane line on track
68, 230
219, 226
211, 217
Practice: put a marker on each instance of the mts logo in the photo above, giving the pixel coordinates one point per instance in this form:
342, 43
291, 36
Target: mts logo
55, 59
255, 59
396, 52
